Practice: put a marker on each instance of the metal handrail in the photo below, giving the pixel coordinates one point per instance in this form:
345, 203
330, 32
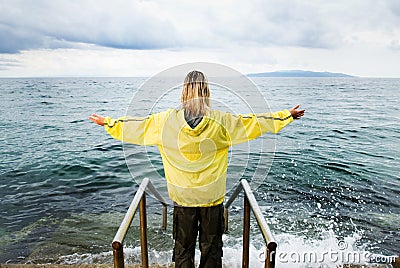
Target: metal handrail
250, 202
138, 200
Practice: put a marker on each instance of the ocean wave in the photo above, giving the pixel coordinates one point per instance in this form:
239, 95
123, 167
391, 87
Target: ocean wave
293, 251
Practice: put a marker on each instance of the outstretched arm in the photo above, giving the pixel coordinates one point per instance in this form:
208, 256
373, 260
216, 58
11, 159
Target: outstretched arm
242, 128
136, 130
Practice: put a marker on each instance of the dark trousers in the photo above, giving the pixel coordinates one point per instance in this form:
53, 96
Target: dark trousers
209, 223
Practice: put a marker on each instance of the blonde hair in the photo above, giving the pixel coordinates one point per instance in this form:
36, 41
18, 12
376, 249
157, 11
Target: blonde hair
195, 95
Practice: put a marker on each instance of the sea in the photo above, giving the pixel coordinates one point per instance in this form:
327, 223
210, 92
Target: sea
331, 195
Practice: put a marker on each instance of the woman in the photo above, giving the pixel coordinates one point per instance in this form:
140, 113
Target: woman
194, 143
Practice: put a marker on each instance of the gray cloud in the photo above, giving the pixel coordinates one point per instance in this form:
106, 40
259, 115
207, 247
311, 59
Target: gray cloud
50, 24
394, 7
8, 63
289, 23
395, 45
13, 40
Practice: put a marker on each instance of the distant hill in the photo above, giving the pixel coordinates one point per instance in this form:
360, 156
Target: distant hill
298, 73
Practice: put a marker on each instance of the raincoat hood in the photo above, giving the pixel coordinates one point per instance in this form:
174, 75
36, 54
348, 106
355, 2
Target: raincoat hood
188, 129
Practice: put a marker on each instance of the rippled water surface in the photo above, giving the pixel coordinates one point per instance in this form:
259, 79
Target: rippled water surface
65, 185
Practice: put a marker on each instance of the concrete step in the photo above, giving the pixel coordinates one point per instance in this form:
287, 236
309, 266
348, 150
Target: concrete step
76, 266
396, 264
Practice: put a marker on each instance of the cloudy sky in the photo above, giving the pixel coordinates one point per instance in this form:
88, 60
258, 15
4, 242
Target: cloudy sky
141, 38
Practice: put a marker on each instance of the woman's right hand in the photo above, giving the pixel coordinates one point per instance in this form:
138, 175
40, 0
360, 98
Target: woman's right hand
98, 119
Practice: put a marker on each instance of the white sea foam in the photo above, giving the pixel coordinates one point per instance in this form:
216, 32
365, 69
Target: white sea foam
293, 251
328, 251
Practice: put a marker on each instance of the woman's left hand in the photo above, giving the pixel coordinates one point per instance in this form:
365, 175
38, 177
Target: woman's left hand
296, 113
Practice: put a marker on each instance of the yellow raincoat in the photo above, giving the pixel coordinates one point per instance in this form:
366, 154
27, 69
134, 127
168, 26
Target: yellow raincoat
195, 159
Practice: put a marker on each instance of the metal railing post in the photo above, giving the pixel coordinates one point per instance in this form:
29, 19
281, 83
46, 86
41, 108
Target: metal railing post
270, 255
118, 253
250, 203
164, 222
139, 200
246, 233
229, 202
226, 220
143, 231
